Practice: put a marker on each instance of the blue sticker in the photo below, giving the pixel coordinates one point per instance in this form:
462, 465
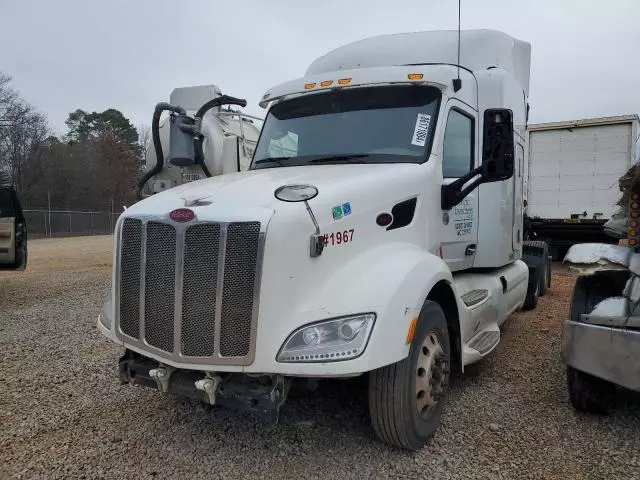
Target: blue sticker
346, 208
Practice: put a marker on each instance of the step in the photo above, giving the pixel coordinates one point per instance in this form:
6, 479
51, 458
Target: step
474, 297
485, 341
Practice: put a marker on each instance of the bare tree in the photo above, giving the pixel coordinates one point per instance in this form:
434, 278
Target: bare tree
22, 131
144, 138
92, 167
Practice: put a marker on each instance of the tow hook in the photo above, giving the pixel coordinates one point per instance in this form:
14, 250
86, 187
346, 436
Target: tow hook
162, 375
209, 385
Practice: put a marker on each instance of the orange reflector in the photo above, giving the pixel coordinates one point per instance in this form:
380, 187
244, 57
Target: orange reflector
309, 86
633, 223
633, 242
344, 81
634, 196
415, 76
412, 330
326, 83
632, 233
635, 206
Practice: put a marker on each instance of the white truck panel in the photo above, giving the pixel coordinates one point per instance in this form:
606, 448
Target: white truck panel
574, 167
479, 50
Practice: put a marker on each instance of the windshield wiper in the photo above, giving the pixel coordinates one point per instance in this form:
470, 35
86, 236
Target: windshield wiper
277, 160
353, 158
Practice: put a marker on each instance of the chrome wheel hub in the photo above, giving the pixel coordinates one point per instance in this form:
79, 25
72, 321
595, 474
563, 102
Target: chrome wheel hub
430, 374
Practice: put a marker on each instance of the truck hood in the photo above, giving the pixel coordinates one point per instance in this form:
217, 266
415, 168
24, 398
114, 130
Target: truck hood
255, 188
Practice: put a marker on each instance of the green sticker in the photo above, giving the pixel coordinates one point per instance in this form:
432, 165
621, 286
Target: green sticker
337, 212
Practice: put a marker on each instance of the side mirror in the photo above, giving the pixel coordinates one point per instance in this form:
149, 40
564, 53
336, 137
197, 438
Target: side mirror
497, 145
497, 158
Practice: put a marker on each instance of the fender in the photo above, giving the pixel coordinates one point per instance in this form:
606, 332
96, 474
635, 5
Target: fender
393, 281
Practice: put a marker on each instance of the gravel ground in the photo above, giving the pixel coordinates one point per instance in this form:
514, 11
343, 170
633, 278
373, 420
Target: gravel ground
63, 414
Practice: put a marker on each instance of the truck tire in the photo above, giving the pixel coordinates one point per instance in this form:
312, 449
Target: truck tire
535, 253
407, 397
549, 271
545, 275
533, 290
588, 393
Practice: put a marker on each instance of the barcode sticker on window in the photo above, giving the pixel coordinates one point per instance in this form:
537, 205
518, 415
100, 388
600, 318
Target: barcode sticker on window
421, 130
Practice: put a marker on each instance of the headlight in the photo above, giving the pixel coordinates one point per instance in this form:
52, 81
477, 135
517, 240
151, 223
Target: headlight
328, 341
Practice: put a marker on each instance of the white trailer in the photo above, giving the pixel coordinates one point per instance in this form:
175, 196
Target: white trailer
377, 232
573, 171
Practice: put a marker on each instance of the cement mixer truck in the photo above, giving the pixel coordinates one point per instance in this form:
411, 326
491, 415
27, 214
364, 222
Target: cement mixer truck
377, 232
228, 139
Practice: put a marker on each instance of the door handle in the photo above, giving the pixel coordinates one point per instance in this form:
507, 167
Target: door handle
470, 250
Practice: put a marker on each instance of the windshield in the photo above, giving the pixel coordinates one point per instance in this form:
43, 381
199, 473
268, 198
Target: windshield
364, 125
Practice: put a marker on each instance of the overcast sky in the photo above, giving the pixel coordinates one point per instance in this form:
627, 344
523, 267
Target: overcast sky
130, 54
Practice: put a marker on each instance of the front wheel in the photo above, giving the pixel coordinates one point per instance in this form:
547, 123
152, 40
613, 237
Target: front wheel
406, 398
588, 393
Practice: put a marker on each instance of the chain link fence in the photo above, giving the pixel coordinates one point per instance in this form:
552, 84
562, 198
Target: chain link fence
63, 223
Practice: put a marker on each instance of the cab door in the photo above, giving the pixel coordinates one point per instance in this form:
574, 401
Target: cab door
13, 232
459, 227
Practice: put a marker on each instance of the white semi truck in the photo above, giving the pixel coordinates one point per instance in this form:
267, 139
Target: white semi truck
377, 231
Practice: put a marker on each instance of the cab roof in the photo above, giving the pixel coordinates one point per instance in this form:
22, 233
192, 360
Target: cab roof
479, 50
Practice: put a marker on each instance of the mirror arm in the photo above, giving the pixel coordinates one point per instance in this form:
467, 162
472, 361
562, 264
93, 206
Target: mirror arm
453, 193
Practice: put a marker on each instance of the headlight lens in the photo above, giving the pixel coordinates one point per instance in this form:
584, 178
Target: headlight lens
329, 341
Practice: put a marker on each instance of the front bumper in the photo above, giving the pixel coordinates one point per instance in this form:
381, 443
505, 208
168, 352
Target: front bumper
376, 354
262, 396
610, 353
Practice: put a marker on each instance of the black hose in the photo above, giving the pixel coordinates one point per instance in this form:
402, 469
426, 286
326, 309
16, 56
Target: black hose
221, 100
197, 136
157, 145
197, 144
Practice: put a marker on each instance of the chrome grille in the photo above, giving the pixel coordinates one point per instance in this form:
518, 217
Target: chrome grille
189, 291
237, 293
200, 279
160, 284
130, 255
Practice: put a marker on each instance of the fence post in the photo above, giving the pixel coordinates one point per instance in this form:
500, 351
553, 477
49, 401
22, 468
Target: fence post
44, 214
91, 219
70, 227
49, 210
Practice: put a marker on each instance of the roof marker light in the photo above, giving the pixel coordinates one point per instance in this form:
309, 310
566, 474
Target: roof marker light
344, 81
415, 76
309, 86
326, 83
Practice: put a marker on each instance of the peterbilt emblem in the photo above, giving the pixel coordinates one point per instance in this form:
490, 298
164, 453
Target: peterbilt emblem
182, 215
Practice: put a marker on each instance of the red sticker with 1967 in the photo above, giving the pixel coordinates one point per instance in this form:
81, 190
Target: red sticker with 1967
338, 238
